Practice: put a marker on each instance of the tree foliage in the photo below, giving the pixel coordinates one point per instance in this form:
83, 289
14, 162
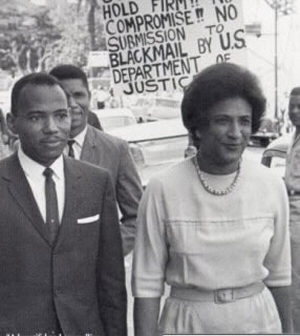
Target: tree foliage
94, 22
34, 38
73, 45
26, 30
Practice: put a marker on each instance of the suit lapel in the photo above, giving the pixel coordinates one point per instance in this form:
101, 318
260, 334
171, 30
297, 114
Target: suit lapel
21, 192
72, 178
89, 154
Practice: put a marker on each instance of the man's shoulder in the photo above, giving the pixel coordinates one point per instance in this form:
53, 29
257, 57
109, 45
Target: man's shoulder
105, 138
9, 162
85, 168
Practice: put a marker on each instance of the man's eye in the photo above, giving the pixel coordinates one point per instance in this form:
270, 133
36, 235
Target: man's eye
35, 118
221, 121
62, 116
246, 121
78, 95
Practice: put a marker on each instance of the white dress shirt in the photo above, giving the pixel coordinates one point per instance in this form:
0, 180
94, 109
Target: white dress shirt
34, 174
78, 144
292, 166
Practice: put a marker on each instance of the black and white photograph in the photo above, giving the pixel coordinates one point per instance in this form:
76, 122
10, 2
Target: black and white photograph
149, 167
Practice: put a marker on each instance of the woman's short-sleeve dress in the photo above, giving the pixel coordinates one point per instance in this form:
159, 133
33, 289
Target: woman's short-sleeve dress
189, 238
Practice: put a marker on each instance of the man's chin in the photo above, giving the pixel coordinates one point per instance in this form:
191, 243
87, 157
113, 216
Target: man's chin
76, 129
77, 118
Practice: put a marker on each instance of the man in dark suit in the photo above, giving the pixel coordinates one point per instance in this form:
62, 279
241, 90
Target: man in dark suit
102, 149
62, 269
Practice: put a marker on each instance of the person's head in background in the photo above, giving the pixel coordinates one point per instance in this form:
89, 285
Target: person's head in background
75, 82
294, 108
40, 117
221, 108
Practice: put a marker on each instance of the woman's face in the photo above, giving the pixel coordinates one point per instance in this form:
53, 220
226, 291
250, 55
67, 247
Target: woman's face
222, 143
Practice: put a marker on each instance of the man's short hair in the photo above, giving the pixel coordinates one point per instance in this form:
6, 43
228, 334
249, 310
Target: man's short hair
69, 71
295, 91
37, 79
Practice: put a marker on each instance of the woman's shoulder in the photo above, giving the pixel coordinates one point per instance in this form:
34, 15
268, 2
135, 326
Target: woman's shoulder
260, 173
255, 167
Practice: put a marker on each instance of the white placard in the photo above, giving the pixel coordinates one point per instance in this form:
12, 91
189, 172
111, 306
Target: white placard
158, 45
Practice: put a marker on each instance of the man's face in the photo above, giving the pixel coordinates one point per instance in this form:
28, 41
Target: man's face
42, 122
80, 103
294, 110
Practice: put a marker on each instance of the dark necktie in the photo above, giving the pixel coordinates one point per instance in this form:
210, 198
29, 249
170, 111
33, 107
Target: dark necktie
52, 218
71, 149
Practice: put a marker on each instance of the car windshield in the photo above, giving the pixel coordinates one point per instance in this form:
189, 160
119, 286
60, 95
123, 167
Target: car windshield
167, 103
114, 122
142, 102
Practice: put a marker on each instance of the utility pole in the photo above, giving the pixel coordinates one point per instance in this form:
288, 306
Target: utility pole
276, 63
283, 7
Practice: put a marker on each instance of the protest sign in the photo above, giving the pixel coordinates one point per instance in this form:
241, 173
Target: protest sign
158, 45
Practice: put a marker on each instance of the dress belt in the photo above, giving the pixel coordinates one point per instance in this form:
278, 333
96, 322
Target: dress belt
224, 295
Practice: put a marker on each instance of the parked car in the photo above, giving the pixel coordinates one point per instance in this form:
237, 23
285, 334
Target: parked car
140, 107
274, 155
164, 108
158, 144
268, 131
155, 145
115, 117
152, 108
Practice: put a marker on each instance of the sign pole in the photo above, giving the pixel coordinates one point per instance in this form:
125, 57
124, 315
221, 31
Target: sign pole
276, 61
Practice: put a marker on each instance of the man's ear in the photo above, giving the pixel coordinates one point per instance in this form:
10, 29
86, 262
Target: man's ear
197, 134
11, 123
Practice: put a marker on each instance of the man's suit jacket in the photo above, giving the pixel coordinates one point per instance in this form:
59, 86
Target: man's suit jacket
80, 280
113, 154
93, 120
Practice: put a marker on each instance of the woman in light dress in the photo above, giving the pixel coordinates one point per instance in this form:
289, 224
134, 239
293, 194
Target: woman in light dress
215, 226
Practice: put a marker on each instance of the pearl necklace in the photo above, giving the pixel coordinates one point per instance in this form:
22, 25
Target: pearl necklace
212, 190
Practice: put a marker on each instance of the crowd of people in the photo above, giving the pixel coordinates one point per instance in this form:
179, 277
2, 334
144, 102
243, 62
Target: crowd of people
220, 230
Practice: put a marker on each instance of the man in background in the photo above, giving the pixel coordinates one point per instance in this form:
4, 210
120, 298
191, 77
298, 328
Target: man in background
292, 180
99, 148
93, 120
62, 269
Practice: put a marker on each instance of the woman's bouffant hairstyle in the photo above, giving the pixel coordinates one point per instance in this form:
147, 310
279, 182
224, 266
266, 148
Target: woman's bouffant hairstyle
216, 83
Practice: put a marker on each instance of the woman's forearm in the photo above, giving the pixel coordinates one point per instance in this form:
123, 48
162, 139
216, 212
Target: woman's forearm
146, 313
